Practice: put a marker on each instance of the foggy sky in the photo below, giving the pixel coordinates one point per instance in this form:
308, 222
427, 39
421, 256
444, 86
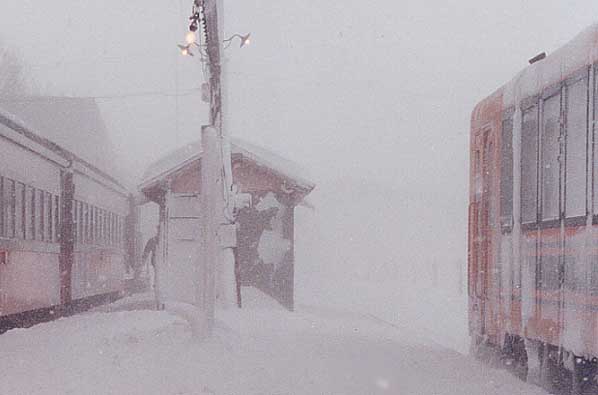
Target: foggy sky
376, 92
321, 79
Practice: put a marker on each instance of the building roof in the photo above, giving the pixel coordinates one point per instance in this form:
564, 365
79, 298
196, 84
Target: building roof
181, 157
73, 124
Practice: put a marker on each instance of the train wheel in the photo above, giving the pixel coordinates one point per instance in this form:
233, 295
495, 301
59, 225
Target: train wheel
534, 353
584, 376
515, 356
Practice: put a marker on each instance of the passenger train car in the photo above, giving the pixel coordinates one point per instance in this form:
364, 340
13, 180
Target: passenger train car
533, 220
63, 220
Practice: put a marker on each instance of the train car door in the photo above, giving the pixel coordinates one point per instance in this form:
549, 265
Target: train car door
481, 219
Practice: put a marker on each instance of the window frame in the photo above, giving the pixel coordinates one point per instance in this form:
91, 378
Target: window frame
531, 103
507, 196
2, 208
582, 75
549, 93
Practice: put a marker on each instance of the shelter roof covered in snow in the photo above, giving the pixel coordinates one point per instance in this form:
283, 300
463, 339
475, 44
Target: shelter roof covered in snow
73, 124
260, 156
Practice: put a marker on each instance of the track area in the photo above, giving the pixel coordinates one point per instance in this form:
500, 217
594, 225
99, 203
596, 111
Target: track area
259, 350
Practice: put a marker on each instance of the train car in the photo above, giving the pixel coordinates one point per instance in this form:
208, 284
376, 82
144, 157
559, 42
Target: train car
533, 220
63, 221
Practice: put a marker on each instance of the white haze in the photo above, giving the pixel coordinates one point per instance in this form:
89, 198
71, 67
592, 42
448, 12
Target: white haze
373, 98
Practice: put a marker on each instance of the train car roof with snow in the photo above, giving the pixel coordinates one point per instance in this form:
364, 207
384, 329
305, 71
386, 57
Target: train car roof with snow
70, 127
565, 62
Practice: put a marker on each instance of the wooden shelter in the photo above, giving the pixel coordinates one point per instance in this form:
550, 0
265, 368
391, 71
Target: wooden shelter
273, 187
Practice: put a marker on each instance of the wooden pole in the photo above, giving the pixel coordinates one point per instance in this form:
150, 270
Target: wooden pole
216, 177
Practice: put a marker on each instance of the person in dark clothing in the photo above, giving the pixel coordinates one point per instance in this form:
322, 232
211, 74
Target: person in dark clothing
150, 248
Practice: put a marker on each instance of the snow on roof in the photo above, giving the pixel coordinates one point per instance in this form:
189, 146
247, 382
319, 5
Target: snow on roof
261, 156
580, 51
73, 124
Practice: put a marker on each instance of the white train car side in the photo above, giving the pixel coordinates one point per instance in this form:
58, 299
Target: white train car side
63, 229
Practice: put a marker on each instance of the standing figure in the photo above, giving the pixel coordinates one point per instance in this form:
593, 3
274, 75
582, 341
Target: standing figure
150, 249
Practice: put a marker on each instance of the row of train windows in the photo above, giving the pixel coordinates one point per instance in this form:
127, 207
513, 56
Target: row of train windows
93, 225
554, 270
554, 166
28, 213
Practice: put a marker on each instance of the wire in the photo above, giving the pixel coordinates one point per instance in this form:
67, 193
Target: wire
187, 92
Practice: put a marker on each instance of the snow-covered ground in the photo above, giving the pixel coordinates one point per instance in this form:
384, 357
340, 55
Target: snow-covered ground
261, 349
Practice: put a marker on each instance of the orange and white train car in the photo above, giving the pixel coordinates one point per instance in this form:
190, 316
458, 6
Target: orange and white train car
533, 220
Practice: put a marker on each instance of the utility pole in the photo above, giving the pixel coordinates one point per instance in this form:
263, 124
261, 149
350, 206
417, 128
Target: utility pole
216, 175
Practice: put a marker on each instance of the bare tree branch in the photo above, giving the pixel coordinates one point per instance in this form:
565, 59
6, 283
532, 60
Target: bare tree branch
12, 81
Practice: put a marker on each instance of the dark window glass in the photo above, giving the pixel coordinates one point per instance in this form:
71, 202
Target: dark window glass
595, 111
506, 173
576, 139
19, 210
76, 235
94, 225
57, 217
2, 208
110, 228
30, 213
550, 273
49, 217
41, 199
549, 160
79, 209
594, 274
10, 195
573, 278
87, 231
529, 162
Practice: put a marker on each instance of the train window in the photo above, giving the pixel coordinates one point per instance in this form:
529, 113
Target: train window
594, 275
6, 192
572, 282
595, 137
110, 228
80, 223
550, 271
2, 207
91, 224
549, 158
49, 227
41, 198
115, 230
11, 208
104, 233
30, 213
3, 257
529, 162
506, 174
75, 215
19, 210
87, 214
57, 231
101, 226
5, 213
576, 140
94, 222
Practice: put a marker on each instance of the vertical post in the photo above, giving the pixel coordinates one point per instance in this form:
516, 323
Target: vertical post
67, 244
131, 251
212, 205
216, 177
